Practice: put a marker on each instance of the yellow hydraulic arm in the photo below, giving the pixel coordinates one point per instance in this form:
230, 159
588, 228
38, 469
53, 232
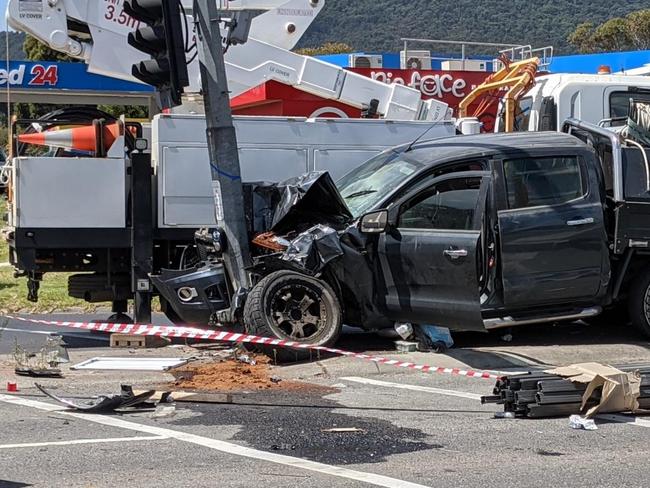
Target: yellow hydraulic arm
517, 77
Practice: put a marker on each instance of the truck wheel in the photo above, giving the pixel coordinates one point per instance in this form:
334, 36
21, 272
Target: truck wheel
639, 303
291, 306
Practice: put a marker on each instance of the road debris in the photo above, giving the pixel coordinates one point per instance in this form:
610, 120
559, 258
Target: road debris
12, 387
245, 358
283, 447
405, 346
176, 396
577, 422
164, 410
104, 403
337, 430
43, 363
137, 341
588, 387
405, 331
231, 375
130, 364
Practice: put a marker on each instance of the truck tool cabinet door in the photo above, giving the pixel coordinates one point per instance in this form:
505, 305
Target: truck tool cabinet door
552, 235
429, 256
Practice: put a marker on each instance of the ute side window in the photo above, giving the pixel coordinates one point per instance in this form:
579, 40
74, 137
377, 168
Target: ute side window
449, 205
534, 182
619, 102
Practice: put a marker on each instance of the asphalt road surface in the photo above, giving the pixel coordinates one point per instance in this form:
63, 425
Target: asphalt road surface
410, 429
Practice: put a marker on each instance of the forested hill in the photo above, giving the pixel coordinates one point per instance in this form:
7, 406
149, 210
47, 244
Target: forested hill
379, 24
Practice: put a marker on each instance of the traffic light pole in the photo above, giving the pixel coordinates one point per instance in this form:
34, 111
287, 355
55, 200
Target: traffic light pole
222, 143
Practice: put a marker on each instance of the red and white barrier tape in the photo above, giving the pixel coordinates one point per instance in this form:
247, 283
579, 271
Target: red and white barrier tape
223, 336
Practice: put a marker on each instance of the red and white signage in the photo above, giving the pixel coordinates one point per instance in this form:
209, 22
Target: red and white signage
447, 86
275, 98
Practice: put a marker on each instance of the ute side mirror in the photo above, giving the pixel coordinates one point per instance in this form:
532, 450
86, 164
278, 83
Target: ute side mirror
374, 222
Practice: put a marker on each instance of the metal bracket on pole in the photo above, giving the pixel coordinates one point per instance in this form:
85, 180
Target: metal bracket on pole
222, 144
141, 235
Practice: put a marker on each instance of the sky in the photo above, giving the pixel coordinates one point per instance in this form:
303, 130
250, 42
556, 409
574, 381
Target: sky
3, 8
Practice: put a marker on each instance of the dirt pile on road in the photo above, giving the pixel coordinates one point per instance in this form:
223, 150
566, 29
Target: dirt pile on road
232, 375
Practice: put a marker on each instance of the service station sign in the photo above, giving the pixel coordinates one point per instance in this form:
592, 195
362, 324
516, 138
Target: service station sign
52, 76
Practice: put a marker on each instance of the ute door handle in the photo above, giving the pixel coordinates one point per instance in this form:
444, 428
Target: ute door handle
455, 253
576, 222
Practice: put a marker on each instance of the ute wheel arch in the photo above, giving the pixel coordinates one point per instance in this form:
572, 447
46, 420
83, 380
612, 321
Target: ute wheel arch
285, 305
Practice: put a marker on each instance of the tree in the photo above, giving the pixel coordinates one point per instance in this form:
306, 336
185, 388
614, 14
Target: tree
129, 111
639, 28
327, 48
582, 37
617, 34
613, 35
35, 50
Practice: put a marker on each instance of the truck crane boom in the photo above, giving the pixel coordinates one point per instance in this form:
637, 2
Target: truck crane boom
96, 32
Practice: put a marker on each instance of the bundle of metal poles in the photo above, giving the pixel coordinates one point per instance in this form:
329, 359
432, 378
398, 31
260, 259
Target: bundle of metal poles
540, 395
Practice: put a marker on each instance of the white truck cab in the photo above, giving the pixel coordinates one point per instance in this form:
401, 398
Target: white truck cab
591, 98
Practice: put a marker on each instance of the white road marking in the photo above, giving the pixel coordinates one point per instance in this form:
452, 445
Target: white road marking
626, 419
402, 386
237, 450
84, 441
49, 332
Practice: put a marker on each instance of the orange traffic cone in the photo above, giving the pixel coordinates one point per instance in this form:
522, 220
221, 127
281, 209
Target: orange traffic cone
78, 138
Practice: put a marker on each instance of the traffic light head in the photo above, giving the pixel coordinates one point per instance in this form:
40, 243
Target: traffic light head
162, 38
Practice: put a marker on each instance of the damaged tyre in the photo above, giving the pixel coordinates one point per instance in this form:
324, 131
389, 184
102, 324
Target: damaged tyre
291, 306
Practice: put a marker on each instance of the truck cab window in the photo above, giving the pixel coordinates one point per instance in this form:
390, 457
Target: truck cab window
450, 205
533, 182
619, 102
522, 115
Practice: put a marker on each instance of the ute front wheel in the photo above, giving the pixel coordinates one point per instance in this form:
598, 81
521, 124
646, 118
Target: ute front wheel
291, 306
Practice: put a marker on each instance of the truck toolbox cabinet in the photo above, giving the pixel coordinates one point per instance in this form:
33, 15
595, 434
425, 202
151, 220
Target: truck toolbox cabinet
69, 193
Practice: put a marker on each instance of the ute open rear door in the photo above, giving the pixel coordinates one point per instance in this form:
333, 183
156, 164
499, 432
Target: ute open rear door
430, 254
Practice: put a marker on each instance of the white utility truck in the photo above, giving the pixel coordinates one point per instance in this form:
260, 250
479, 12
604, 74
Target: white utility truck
75, 214
591, 98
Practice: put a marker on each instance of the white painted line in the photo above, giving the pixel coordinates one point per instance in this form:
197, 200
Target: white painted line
402, 386
626, 419
370, 478
84, 441
49, 332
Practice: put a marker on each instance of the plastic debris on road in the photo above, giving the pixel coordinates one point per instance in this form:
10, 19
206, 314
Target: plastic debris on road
103, 403
404, 330
578, 422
